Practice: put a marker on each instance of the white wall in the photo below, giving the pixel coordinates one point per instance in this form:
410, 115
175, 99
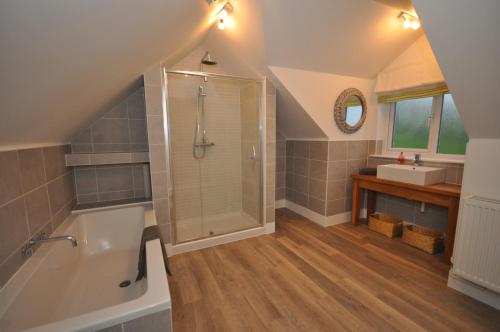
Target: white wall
317, 92
415, 67
464, 37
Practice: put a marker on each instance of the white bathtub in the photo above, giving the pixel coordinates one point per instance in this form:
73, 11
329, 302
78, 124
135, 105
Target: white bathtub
62, 288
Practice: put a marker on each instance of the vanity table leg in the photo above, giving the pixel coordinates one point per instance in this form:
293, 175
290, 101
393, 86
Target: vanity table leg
370, 202
355, 202
452, 225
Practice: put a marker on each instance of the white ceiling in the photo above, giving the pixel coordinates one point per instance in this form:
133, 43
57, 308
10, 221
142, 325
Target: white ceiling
63, 61
464, 38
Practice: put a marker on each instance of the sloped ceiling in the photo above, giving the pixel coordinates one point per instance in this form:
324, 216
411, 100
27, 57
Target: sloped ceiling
63, 61
353, 38
464, 37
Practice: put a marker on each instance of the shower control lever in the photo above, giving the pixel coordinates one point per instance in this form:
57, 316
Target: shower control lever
204, 145
254, 154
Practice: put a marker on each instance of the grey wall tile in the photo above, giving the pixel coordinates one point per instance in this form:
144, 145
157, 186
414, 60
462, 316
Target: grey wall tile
336, 190
37, 209
337, 170
301, 149
317, 189
138, 131
85, 180
357, 150
316, 205
111, 131
10, 177
334, 207
301, 166
31, 168
55, 161
119, 111
318, 150
318, 169
116, 195
337, 150
116, 178
10, 266
13, 227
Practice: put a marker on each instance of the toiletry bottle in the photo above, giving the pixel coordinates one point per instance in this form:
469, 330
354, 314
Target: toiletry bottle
401, 158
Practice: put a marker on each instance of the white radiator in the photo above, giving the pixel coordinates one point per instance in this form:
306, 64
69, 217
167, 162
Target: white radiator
476, 255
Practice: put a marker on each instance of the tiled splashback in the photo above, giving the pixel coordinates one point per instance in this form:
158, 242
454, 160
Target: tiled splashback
318, 173
318, 177
36, 194
111, 182
121, 129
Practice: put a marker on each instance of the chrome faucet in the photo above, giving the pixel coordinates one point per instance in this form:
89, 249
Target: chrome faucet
418, 160
41, 238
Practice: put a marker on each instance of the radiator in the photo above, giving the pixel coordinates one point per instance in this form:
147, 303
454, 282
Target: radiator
476, 254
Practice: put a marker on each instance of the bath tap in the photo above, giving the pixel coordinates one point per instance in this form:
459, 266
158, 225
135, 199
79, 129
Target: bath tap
40, 238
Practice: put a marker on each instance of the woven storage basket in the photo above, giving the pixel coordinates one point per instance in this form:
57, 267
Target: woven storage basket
425, 239
385, 224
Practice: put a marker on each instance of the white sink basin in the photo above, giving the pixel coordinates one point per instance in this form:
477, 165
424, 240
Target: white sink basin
421, 175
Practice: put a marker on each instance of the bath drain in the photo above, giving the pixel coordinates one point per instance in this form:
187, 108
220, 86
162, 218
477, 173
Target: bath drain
125, 283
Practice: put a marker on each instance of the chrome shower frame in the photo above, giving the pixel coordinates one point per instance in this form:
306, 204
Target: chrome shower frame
206, 75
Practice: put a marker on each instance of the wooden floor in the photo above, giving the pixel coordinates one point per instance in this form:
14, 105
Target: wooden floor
308, 278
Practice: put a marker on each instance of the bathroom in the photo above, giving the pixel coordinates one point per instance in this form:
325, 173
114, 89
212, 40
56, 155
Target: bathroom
229, 165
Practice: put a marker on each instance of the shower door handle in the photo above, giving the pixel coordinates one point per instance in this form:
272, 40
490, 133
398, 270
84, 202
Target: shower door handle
254, 153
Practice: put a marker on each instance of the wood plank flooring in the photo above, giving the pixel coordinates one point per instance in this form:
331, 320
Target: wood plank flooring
309, 278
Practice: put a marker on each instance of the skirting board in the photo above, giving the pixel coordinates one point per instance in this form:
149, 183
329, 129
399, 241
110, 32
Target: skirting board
476, 292
180, 248
320, 219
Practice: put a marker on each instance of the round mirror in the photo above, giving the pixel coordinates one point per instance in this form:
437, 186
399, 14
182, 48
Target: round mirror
350, 110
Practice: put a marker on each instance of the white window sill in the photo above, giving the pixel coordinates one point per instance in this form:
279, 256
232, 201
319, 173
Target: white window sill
434, 160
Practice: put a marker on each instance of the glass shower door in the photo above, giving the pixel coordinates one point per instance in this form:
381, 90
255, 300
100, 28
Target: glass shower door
215, 155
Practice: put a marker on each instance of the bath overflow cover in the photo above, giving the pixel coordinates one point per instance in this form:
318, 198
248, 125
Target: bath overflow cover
125, 283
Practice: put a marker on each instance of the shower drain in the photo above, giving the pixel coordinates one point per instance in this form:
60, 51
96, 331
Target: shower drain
125, 283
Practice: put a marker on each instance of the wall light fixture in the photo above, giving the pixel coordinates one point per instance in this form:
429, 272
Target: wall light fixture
409, 21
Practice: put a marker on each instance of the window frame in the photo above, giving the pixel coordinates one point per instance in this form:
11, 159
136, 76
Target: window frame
433, 140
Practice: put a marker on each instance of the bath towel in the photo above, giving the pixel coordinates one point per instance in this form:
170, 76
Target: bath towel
148, 234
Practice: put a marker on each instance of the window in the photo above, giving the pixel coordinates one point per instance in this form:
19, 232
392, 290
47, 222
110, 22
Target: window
430, 125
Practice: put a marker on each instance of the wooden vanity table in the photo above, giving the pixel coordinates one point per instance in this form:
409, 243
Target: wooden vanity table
442, 194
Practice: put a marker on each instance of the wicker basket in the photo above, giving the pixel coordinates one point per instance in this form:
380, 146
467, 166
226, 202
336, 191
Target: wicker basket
425, 239
385, 224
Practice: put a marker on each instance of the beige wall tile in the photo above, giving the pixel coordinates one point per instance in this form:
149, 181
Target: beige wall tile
155, 130
317, 189
31, 168
336, 190
335, 207
159, 184
10, 266
301, 166
337, 170
10, 178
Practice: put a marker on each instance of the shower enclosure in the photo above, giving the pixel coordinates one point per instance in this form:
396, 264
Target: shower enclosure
214, 126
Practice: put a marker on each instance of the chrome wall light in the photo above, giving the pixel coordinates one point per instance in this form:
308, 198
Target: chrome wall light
409, 21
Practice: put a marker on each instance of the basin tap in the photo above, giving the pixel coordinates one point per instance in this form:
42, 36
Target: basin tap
418, 160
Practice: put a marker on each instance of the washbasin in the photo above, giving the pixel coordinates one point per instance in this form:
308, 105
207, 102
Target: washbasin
421, 175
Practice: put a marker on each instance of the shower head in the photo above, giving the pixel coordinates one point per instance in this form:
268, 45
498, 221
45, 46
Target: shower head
208, 60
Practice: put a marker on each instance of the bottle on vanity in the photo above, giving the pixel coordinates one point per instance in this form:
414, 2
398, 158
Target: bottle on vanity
401, 158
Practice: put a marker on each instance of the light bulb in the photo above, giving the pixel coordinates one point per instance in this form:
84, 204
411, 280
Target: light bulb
406, 23
223, 14
221, 25
229, 21
415, 25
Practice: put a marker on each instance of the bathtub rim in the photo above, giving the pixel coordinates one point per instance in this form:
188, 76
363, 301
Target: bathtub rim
155, 299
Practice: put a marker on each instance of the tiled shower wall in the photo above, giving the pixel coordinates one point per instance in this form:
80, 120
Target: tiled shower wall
280, 166
213, 183
36, 194
121, 129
